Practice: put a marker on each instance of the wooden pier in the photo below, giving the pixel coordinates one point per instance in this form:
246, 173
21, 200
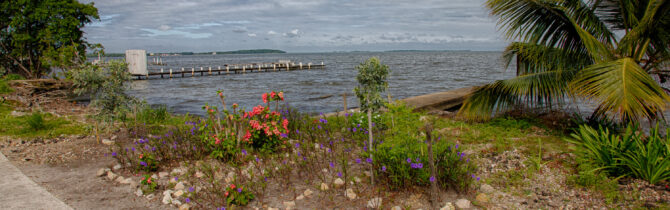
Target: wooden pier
137, 66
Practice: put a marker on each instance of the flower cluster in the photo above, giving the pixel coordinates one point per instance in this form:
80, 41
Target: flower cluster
237, 195
274, 96
267, 128
148, 185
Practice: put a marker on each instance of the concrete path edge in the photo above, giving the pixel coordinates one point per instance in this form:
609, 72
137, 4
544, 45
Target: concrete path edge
20, 192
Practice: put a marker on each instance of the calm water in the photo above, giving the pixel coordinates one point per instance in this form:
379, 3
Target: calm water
412, 74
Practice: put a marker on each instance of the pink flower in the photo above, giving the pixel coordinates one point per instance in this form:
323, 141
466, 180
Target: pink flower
265, 98
272, 94
281, 95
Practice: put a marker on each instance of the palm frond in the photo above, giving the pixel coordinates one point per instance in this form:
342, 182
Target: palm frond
622, 88
649, 27
533, 58
532, 89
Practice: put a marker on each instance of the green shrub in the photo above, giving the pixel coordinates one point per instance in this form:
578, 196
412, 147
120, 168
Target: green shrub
402, 157
152, 114
36, 121
149, 185
627, 154
237, 195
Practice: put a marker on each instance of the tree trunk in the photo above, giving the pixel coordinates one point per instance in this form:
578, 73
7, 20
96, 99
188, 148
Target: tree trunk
372, 174
431, 162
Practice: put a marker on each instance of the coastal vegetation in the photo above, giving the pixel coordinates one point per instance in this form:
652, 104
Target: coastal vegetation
612, 53
33, 42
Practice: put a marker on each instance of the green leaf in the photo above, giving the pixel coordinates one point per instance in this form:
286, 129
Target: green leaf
622, 88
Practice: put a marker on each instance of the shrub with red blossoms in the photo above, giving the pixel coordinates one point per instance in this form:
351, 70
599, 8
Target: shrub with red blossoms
266, 129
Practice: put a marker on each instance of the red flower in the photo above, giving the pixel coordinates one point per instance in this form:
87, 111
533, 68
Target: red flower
281, 95
221, 94
149, 180
226, 194
141, 155
265, 98
232, 186
272, 94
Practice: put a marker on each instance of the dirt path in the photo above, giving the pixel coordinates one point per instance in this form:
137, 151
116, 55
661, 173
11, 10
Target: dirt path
71, 177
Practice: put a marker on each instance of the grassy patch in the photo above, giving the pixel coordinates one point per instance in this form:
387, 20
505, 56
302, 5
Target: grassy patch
36, 124
4, 83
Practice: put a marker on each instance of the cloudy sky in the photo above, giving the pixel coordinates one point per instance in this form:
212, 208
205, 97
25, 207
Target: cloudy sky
293, 25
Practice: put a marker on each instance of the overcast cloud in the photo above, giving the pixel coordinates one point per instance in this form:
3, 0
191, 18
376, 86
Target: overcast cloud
293, 25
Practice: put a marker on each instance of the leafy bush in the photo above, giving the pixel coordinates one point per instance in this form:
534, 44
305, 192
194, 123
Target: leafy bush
152, 114
402, 156
266, 129
237, 195
627, 154
148, 184
148, 163
36, 121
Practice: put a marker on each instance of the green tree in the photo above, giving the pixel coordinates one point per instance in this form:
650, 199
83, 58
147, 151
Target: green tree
371, 82
612, 52
36, 35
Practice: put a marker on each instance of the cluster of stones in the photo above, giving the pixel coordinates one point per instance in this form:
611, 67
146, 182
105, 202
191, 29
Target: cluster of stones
170, 196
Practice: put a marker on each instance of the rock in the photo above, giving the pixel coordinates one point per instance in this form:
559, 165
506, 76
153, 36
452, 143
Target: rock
139, 192
338, 183
120, 179
448, 206
270, 208
230, 177
463, 203
167, 192
114, 137
375, 203
111, 175
307, 192
179, 186
179, 171
350, 194
153, 176
179, 193
176, 202
116, 167
184, 207
163, 174
245, 173
397, 208
357, 180
367, 173
126, 180
102, 172
324, 170
324, 186
199, 174
150, 196
107, 142
289, 204
132, 184
300, 197
482, 198
167, 199
485, 188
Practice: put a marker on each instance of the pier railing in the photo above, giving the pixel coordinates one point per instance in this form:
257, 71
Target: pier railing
225, 69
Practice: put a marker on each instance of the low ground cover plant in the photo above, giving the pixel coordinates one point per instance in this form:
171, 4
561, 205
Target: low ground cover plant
630, 154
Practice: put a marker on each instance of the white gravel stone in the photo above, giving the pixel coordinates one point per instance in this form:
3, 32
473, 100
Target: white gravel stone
307, 192
350, 194
111, 175
300, 197
107, 142
120, 179
199, 174
338, 183
139, 192
117, 167
324, 186
163, 174
154, 176
357, 180
179, 186
448, 206
167, 199
463, 203
185, 207
179, 193
396, 208
289, 204
102, 172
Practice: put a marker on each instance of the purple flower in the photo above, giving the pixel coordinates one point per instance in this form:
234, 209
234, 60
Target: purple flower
358, 160
409, 160
329, 150
188, 200
297, 145
358, 125
369, 160
432, 179
456, 146
114, 154
332, 165
354, 129
143, 163
339, 174
191, 189
297, 131
384, 168
284, 135
244, 151
319, 126
365, 148
477, 178
239, 190
153, 149
176, 178
265, 179
133, 149
418, 160
257, 160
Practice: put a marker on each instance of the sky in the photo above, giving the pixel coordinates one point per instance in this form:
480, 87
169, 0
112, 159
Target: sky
293, 25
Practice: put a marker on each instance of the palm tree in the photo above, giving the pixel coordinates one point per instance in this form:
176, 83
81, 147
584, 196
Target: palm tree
615, 53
